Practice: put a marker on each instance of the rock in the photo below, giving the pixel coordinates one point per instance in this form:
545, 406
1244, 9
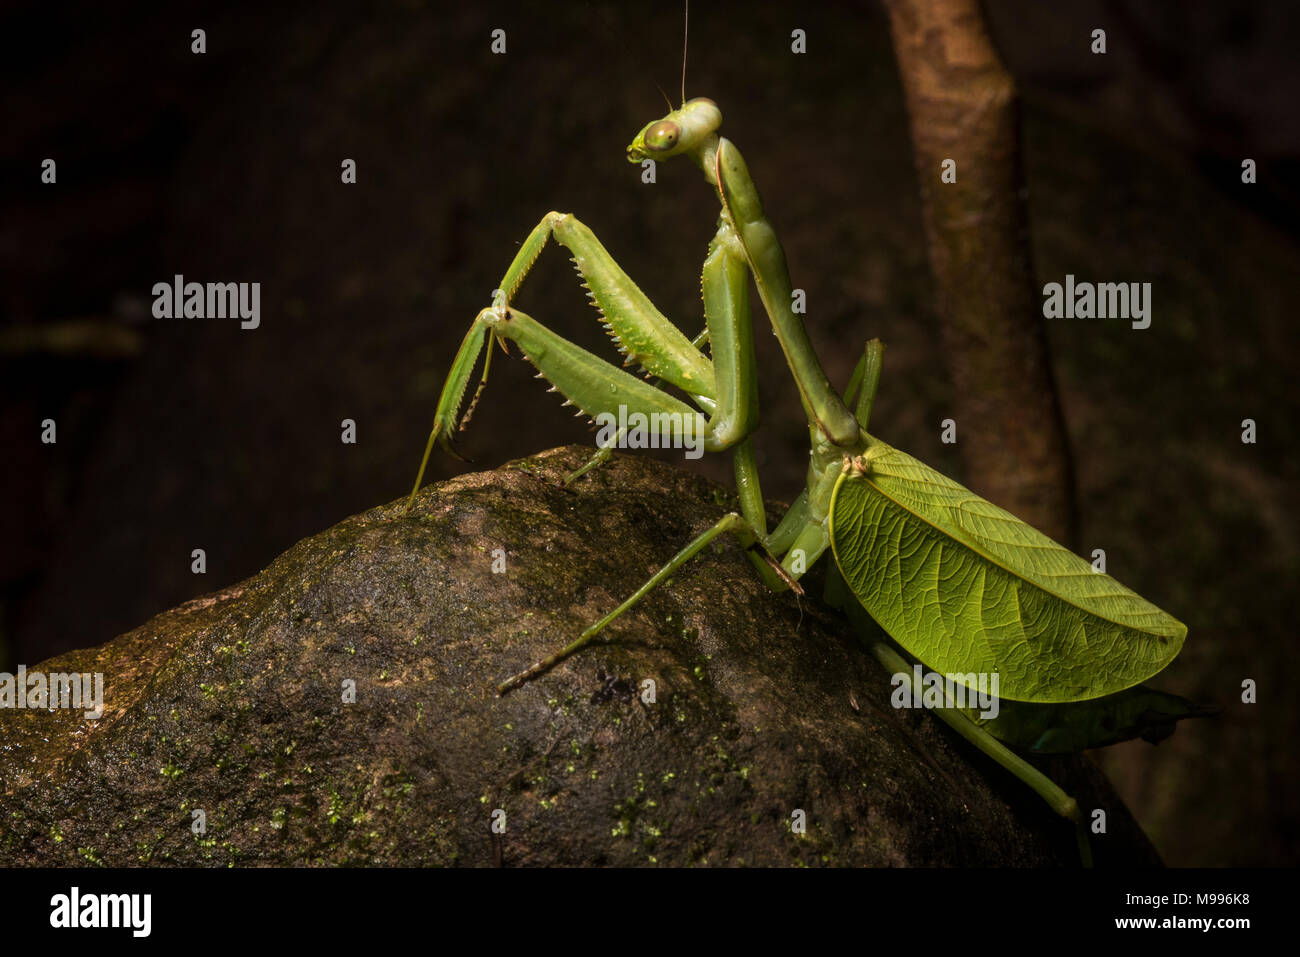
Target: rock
233, 705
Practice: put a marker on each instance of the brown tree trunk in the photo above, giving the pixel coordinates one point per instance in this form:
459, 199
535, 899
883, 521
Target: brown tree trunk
963, 106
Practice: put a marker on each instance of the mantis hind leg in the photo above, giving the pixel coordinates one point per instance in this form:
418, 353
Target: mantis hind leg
870, 633
1041, 784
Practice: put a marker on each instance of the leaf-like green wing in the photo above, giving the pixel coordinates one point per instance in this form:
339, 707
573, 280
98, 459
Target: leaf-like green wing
967, 587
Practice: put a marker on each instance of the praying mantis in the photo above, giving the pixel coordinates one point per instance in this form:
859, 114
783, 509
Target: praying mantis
920, 565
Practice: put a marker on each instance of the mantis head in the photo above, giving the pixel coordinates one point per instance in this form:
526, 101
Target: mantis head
687, 130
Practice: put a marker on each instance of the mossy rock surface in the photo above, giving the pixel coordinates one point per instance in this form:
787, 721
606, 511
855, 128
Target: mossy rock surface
233, 705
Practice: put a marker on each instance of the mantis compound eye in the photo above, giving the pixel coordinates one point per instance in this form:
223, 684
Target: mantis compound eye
662, 136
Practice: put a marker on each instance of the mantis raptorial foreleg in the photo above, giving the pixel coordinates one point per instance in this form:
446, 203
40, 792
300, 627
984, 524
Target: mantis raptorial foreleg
724, 388
642, 332
604, 453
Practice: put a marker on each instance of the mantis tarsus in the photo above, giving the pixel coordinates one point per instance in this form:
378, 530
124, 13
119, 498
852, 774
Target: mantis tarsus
959, 584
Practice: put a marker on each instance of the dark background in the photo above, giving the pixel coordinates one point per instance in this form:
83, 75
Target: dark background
183, 434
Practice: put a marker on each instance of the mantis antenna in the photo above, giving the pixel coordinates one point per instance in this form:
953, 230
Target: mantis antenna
686, 32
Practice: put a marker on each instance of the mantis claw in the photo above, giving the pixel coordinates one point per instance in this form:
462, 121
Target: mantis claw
445, 444
790, 581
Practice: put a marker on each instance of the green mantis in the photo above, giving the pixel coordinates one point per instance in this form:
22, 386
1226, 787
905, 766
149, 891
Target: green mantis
958, 584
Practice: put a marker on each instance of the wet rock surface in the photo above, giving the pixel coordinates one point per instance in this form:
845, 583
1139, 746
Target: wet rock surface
763, 705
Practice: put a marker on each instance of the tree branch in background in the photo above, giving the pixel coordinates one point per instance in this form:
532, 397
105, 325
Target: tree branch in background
962, 105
